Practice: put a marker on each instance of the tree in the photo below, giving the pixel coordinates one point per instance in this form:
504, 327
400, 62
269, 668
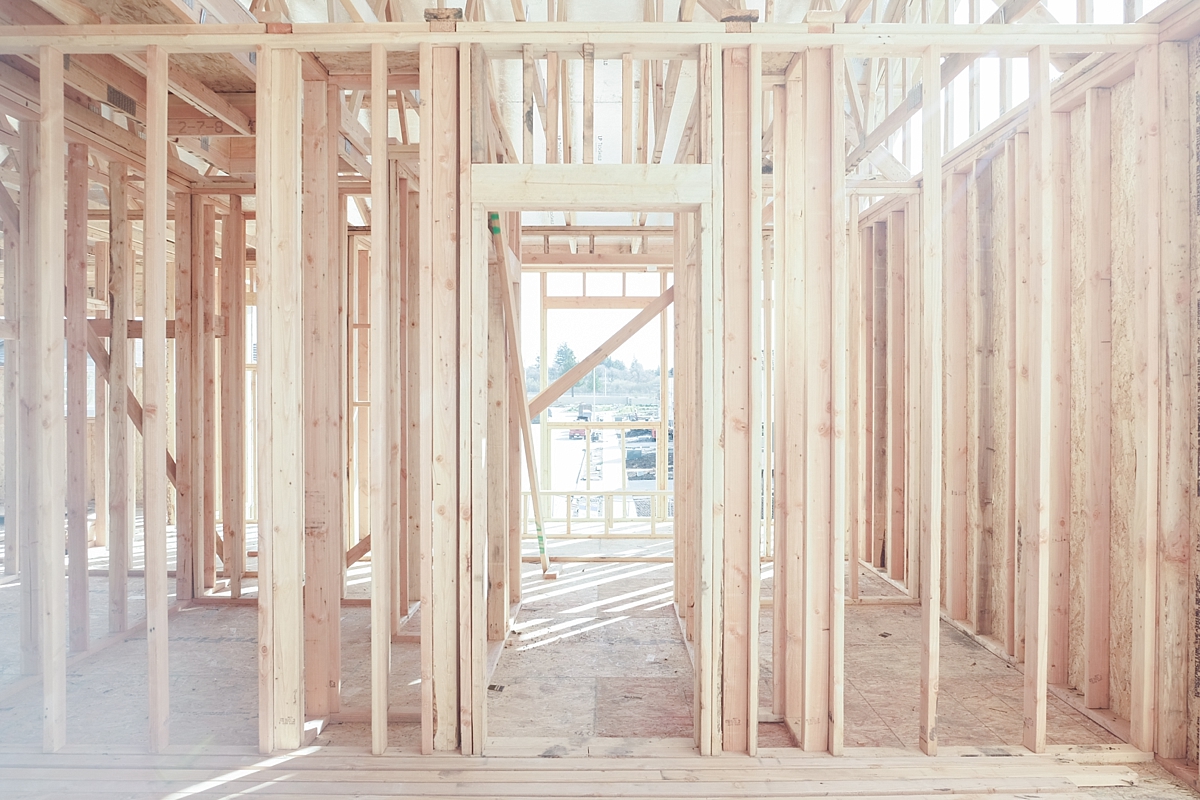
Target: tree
533, 376
564, 359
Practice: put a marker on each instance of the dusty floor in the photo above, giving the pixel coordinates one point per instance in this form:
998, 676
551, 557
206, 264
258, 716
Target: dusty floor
596, 653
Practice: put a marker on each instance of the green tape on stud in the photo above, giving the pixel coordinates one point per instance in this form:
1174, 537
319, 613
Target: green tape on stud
494, 223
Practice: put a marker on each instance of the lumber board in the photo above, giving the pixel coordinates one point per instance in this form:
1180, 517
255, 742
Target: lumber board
323, 512
280, 402
44, 460
154, 407
932, 509
184, 496
1097, 434
233, 393
382, 535
76, 367
120, 471
1042, 310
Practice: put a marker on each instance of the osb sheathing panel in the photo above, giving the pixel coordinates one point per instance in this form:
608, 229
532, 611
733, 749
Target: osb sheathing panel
221, 73
1080, 346
360, 63
1124, 407
1002, 412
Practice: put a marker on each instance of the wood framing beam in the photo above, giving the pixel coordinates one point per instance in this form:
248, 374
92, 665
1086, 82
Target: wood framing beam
1097, 433
952, 67
440, 208
185, 532
578, 372
1042, 309
233, 393
121, 475
932, 509
324, 465
382, 535
42, 309
154, 382
76, 330
280, 402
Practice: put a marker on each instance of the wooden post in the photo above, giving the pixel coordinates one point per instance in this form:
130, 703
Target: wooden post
1042, 309
380, 455
954, 299
741, 427
76, 313
1178, 420
207, 286
1097, 434
13, 253
790, 237
121, 476
184, 390
1059, 553
818, 434
31, 660
99, 534
324, 467
439, 397
280, 402
196, 398
154, 397
498, 461
42, 336
399, 241
233, 393
932, 509
839, 417
1024, 421
894, 238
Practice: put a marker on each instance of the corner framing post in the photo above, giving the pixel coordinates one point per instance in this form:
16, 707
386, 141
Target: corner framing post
280, 403
233, 393
120, 374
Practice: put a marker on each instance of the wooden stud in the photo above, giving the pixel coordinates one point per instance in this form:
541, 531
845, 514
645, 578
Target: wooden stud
528, 73
1097, 434
13, 253
439, 398
954, 296
894, 239
206, 324
1041, 312
498, 484
1059, 598
1025, 428
741, 430
154, 396
380, 455
839, 418
233, 393
791, 413
627, 109
932, 353
280, 421
31, 659
184, 390
324, 467
120, 382
76, 314
42, 331
589, 102
196, 396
